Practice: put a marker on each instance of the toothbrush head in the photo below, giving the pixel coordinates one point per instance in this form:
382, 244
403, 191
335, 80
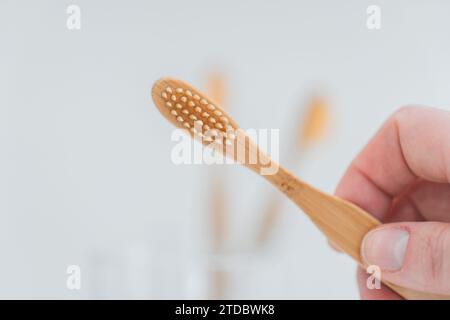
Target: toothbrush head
187, 108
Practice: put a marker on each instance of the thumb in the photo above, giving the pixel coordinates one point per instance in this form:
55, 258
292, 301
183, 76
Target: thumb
413, 255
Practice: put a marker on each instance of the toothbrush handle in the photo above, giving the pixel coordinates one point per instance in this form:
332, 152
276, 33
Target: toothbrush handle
342, 222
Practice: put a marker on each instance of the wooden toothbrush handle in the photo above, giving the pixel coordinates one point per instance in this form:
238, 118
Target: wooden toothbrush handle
364, 222
356, 223
344, 223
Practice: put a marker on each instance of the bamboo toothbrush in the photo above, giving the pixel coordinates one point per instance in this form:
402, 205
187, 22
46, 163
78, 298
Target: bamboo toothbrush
341, 221
218, 223
217, 197
316, 122
310, 129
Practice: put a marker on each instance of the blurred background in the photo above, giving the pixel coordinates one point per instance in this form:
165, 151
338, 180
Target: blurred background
86, 176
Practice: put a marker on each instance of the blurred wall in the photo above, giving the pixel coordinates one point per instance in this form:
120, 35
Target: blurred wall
85, 171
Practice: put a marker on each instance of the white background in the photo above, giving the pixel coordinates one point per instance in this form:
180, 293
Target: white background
85, 170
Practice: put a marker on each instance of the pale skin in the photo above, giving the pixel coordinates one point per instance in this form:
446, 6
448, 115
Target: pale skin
402, 177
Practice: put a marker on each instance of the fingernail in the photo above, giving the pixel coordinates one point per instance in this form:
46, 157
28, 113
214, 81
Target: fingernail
385, 247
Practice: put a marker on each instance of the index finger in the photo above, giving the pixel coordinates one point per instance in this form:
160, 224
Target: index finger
414, 143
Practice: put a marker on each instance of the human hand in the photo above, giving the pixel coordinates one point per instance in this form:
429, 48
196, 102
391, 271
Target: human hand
402, 177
